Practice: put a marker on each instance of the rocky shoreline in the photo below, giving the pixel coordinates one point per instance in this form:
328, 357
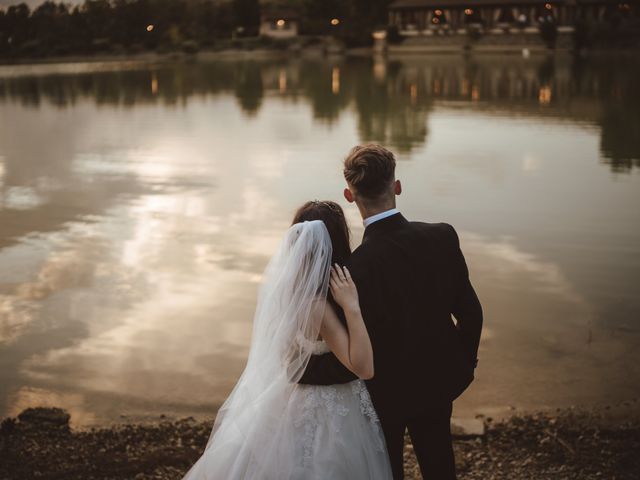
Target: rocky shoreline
569, 444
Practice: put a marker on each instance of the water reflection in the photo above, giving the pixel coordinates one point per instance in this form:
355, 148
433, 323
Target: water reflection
140, 203
392, 98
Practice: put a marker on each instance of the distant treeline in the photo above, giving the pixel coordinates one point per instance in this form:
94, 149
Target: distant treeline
133, 26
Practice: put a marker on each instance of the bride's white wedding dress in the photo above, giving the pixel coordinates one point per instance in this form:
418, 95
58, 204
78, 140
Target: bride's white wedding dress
271, 427
339, 431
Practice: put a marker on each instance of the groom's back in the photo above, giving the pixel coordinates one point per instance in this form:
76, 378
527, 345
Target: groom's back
410, 276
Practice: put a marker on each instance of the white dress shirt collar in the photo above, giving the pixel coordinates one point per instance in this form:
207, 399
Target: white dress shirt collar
379, 216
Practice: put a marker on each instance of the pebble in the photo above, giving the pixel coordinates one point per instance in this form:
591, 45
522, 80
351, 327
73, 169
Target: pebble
524, 447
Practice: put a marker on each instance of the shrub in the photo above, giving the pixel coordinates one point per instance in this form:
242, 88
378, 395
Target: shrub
474, 32
101, 45
190, 47
548, 31
32, 48
393, 35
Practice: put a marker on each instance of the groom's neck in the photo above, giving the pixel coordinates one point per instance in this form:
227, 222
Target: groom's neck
369, 210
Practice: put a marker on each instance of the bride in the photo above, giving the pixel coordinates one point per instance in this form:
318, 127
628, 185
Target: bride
270, 427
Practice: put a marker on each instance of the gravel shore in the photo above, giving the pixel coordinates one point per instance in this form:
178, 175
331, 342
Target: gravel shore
570, 444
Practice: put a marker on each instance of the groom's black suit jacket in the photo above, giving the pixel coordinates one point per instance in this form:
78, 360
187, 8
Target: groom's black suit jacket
411, 278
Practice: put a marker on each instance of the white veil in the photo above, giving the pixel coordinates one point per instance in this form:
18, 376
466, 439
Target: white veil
253, 433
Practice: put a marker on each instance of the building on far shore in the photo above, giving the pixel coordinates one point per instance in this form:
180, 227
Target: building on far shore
278, 22
433, 17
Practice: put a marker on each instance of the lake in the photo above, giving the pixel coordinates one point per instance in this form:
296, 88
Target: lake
140, 202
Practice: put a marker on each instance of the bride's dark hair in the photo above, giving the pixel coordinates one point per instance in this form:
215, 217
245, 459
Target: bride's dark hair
333, 217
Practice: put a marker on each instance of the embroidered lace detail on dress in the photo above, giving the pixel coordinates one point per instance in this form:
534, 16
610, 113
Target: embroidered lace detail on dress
309, 427
325, 405
359, 389
316, 401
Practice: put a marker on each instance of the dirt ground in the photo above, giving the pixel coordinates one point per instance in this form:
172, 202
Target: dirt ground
568, 444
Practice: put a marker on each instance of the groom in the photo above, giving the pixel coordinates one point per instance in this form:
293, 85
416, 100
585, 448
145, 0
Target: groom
411, 277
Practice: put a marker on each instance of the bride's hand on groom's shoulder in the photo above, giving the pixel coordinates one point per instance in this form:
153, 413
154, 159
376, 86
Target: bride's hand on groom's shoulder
343, 288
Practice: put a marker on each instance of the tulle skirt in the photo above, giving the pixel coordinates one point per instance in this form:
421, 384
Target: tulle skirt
332, 432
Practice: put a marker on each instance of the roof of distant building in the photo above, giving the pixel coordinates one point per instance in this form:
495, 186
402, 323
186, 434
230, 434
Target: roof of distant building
417, 4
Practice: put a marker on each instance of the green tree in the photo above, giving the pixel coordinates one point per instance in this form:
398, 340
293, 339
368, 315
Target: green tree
17, 26
246, 15
50, 25
317, 16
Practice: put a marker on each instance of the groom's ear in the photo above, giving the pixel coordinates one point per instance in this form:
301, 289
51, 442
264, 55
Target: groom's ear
397, 187
348, 195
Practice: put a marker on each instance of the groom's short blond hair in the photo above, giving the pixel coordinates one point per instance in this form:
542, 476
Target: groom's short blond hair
369, 169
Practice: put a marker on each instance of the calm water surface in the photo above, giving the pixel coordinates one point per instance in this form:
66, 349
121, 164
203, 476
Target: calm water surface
140, 203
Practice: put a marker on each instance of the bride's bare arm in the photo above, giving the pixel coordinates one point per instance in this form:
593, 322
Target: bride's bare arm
350, 345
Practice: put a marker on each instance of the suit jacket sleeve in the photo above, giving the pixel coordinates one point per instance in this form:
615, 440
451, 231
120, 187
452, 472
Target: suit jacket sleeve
466, 306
